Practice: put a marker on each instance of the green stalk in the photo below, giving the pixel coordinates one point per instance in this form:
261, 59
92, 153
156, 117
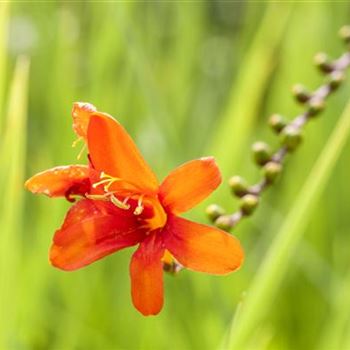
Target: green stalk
268, 278
335, 326
4, 16
248, 89
12, 159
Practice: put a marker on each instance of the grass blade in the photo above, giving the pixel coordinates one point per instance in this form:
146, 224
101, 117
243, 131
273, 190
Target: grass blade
335, 327
274, 266
248, 90
12, 160
4, 16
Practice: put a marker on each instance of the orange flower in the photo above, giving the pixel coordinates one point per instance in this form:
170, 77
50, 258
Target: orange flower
123, 205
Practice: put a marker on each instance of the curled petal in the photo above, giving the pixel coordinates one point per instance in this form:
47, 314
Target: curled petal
113, 151
90, 232
61, 181
202, 248
189, 184
81, 114
146, 274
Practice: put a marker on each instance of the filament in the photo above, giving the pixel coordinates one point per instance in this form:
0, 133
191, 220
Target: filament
107, 181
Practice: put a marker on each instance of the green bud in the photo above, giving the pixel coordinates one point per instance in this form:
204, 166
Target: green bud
300, 93
344, 33
238, 186
248, 204
172, 268
277, 122
214, 211
291, 137
271, 171
323, 62
315, 107
335, 79
224, 222
261, 152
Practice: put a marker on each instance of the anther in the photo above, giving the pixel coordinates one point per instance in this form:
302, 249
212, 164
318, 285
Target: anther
118, 203
139, 209
97, 196
106, 180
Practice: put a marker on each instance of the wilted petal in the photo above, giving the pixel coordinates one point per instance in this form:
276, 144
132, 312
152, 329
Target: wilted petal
61, 181
81, 114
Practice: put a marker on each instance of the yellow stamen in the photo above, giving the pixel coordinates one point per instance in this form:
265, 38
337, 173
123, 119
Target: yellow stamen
81, 151
97, 196
107, 181
74, 144
118, 203
139, 209
111, 182
96, 184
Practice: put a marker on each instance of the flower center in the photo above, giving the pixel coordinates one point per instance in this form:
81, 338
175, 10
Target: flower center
120, 192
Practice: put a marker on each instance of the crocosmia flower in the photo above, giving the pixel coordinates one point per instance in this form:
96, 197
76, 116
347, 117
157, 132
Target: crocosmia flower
122, 204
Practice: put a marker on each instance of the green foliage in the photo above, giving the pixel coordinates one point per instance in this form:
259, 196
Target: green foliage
185, 79
275, 264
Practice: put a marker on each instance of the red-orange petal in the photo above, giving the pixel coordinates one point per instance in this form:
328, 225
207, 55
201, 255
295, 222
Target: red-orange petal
89, 233
189, 184
61, 181
81, 114
113, 151
202, 248
146, 274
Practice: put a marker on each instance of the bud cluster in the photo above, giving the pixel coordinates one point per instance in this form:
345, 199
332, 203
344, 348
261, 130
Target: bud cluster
290, 137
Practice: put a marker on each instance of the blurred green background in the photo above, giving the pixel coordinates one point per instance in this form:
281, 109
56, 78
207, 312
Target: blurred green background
187, 79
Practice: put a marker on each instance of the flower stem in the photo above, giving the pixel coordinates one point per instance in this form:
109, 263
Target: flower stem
291, 136
264, 286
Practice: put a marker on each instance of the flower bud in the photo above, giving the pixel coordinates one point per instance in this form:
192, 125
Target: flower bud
214, 211
300, 93
344, 33
291, 137
248, 204
271, 171
336, 78
224, 222
316, 106
172, 268
323, 62
277, 122
238, 186
261, 152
